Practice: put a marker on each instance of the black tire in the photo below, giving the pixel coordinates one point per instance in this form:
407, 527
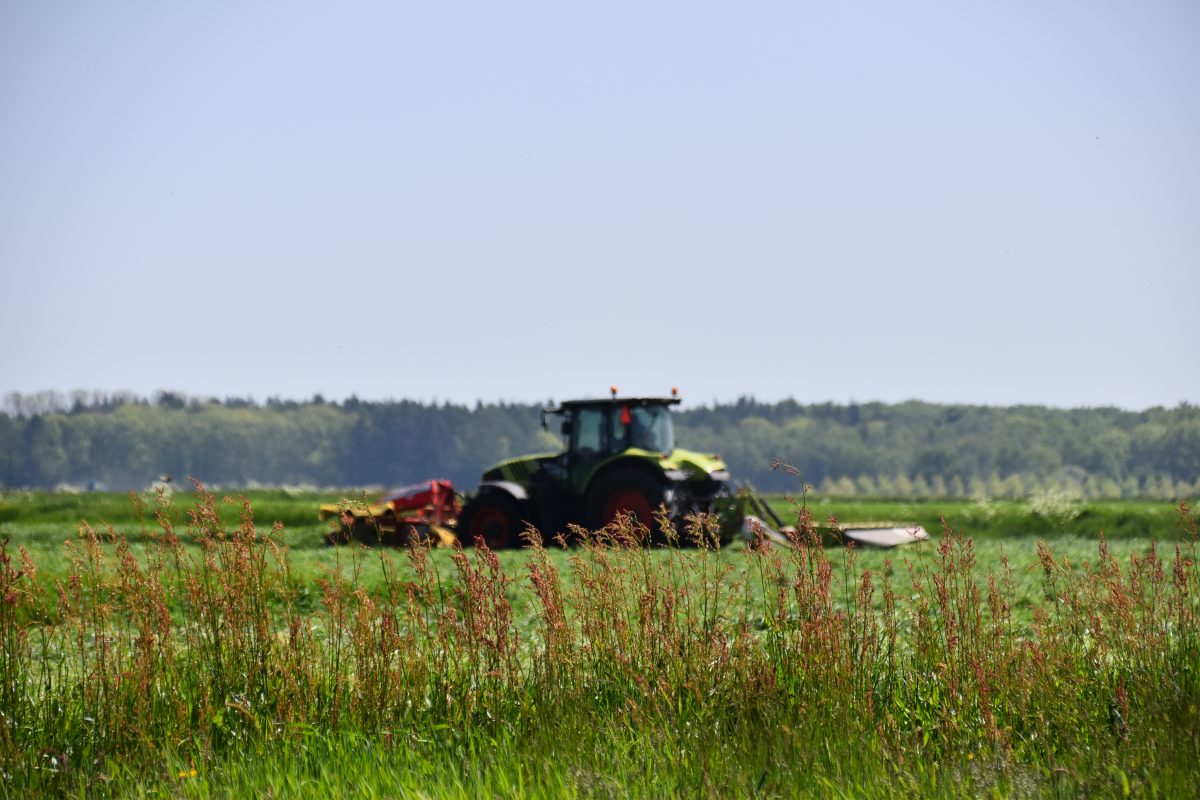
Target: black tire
493, 517
366, 531
723, 503
627, 490
387, 528
339, 536
416, 535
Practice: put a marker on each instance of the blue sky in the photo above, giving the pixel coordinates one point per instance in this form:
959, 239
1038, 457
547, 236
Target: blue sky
956, 202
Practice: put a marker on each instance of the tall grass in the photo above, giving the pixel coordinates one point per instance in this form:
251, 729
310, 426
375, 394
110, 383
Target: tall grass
195, 666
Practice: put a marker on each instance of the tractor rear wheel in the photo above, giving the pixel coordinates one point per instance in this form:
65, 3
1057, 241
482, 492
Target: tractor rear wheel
493, 517
632, 492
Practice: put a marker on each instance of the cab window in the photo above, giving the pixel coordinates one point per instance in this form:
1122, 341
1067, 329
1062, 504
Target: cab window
647, 427
590, 432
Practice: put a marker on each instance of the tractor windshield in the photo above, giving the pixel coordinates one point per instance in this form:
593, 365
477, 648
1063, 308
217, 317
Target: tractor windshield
645, 427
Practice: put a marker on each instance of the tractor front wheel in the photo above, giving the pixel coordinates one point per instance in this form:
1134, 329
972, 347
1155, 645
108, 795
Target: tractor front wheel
493, 517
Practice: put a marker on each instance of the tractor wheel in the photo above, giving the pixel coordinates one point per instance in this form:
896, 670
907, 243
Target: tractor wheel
633, 492
493, 517
339, 536
417, 535
387, 528
366, 531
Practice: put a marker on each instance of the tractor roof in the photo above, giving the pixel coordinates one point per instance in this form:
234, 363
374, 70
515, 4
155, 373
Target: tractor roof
600, 402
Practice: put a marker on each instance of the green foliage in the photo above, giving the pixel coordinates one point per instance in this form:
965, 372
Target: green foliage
909, 449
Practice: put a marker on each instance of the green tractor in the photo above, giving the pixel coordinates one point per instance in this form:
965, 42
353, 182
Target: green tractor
618, 455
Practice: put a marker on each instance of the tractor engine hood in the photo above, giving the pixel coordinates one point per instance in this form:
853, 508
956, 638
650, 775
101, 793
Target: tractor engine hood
678, 465
688, 465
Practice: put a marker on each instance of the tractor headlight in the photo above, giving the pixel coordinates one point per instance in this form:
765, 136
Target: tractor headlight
719, 475
674, 474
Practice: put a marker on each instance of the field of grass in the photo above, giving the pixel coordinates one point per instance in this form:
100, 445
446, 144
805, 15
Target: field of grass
199, 649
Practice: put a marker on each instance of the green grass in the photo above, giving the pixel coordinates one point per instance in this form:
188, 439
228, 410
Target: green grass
1048, 517
311, 560
127, 509
989, 664
617, 761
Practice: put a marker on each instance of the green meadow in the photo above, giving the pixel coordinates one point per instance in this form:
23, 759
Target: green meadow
209, 646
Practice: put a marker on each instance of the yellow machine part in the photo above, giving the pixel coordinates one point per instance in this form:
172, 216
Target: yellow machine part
442, 536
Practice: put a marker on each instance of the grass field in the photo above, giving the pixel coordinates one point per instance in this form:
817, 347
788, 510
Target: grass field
210, 652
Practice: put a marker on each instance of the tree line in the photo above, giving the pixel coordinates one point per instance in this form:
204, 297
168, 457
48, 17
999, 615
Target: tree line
121, 441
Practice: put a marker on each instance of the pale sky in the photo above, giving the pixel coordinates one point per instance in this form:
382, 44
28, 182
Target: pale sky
989, 203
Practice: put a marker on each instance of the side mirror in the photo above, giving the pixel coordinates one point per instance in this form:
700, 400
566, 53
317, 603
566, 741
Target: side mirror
567, 427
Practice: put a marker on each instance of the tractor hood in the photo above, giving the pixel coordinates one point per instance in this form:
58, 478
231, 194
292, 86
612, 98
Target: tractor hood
678, 465
518, 469
689, 465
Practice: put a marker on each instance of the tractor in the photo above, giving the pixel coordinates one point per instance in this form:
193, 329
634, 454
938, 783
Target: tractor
619, 455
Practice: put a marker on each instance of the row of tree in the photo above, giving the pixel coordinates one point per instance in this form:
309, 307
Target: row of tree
900, 449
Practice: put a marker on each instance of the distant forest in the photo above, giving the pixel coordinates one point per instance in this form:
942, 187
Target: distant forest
911, 449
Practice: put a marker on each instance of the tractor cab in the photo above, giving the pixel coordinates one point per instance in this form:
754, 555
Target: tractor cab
596, 430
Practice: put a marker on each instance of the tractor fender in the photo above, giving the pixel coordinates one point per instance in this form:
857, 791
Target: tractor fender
518, 494
630, 464
514, 490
